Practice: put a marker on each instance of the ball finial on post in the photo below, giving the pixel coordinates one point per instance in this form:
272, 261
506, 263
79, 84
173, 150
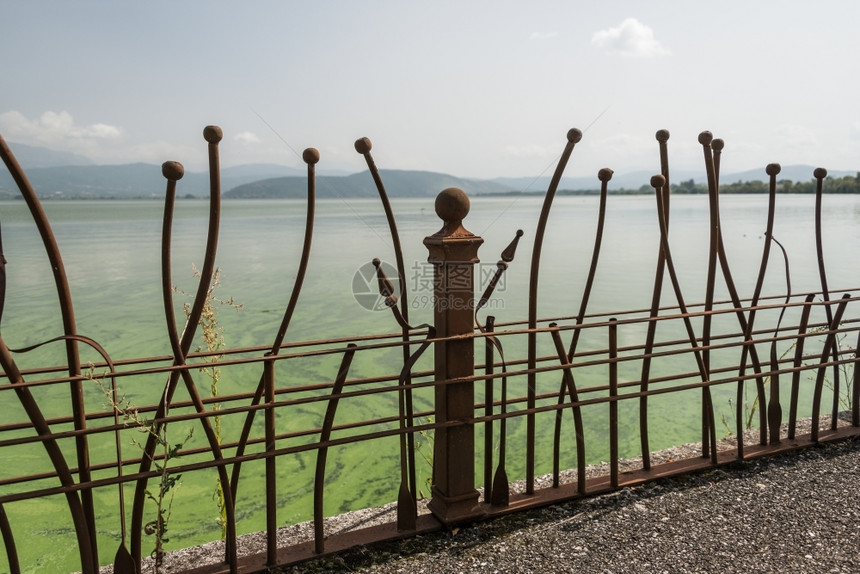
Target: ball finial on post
172, 170
212, 134
311, 156
706, 137
363, 146
452, 204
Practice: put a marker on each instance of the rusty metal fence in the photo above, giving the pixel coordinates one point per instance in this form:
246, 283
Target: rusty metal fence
792, 349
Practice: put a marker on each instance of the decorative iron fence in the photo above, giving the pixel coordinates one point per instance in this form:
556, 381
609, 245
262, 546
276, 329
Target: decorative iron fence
789, 348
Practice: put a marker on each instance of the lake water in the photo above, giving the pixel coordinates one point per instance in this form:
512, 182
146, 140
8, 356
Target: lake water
112, 257
111, 251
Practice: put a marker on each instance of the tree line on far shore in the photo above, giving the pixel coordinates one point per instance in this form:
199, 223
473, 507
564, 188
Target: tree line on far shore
846, 184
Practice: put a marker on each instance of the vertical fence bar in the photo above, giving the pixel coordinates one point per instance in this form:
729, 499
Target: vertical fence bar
271, 466
664, 196
489, 357
800, 340
855, 390
613, 402
453, 253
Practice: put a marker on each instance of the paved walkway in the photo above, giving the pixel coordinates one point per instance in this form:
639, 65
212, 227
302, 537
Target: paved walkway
794, 513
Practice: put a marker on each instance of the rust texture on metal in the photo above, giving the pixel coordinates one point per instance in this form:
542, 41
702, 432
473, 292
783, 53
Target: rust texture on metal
453, 251
498, 417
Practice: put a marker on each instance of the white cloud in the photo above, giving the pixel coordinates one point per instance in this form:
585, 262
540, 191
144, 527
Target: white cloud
246, 138
97, 131
632, 39
52, 128
543, 35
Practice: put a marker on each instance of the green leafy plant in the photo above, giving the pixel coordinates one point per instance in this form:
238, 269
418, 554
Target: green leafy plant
162, 497
750, 411
166, 451
846, 371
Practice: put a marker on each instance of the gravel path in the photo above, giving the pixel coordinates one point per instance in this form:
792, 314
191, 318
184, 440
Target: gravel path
792, 513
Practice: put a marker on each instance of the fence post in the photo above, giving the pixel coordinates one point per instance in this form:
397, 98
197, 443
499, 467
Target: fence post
453, 253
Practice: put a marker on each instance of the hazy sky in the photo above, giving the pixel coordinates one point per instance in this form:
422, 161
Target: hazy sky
475, 89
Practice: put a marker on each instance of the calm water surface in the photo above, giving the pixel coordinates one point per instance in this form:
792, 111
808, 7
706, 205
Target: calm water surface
111, 251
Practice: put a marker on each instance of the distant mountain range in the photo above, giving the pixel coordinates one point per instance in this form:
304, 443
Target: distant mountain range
398, 183
33, 156
63, 175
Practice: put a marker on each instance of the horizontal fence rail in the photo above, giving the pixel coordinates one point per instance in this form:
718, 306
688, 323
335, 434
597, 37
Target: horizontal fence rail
522, 409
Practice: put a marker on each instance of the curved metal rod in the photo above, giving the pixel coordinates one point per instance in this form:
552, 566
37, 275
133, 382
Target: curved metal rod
774, 408
322, 452
363, 146
506, 257
746, 324
311, 157
407, 504
798, 361
855, 391
2, 279
829, 345
657, 182
173, 171
709, 439
570, 386
496, 488
645, 448
820, 173
68, 316
213, 135
604, 175
501, 484
40, 425
9, 543
123, 562
574, 135
496, 485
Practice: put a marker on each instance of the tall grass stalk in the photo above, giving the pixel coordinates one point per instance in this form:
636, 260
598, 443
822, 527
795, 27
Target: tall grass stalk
212, 335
